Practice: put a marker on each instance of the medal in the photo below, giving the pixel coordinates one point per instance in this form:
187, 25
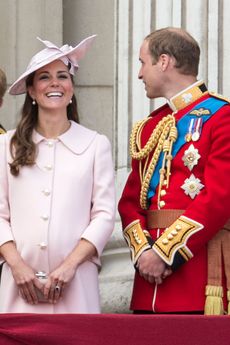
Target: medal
194, 130
192, 186
191, 157
188, 136
195, 136
197, 129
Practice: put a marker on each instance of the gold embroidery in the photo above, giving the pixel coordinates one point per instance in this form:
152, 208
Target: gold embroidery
175, 238
136, 239
199, 112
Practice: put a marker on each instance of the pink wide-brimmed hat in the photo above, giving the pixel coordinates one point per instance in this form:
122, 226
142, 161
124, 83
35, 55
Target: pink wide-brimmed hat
66, 53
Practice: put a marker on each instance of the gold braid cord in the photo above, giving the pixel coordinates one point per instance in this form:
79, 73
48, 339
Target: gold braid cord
161, 140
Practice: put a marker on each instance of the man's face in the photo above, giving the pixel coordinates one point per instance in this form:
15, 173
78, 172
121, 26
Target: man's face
150, 72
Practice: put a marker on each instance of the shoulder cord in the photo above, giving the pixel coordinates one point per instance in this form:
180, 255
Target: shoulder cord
161, 139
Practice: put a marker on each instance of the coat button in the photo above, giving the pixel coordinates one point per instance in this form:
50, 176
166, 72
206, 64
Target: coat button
163, 192
165, 241
45, 217
46, 192
178, 227
43, 245
50, 143
162, 203
48, 167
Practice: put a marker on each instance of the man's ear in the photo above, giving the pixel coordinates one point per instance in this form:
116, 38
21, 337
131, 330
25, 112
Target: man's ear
164, 61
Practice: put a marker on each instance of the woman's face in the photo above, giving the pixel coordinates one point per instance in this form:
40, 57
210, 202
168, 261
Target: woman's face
52, 86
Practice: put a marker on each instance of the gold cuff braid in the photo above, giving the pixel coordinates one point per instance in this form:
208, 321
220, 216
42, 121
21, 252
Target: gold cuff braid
174, 239
136, 240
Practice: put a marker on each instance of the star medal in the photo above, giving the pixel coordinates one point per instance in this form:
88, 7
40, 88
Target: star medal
191, 157
192, 186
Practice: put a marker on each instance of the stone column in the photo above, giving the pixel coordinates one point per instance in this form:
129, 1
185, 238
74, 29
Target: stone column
21, 22
134, 20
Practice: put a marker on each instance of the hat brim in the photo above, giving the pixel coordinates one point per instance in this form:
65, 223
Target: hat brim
78, 52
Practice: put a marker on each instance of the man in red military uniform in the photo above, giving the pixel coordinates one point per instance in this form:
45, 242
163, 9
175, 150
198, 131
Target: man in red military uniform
176, 201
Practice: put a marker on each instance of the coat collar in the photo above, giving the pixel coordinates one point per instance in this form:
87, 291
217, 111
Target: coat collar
76, 139
188, 96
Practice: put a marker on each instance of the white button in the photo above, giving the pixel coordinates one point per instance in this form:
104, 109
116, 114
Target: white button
42, 245
50, 143
46, 192
48, 167
45, 217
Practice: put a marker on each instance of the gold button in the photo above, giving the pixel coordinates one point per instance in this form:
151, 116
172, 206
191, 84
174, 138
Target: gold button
165, 241
170, 236
178, 227
163, 192
174, 232
162, 203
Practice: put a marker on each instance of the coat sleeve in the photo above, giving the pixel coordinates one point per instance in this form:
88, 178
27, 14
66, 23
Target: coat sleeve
5, 228
133, 217
103, 196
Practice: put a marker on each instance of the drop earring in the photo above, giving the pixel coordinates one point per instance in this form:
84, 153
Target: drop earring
70, 102
34, 102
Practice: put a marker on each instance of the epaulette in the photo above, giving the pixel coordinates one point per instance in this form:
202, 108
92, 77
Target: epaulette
217, 95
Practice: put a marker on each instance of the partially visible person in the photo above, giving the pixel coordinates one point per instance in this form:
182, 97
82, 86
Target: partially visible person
177, 195
57, 195
3, 87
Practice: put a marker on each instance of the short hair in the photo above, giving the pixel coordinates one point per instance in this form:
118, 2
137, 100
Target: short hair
178, 43
3, 84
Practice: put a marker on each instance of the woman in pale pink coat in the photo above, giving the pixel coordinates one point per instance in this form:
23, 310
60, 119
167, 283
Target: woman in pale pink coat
57, 196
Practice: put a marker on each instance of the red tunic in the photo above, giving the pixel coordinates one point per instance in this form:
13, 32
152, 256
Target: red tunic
184, 290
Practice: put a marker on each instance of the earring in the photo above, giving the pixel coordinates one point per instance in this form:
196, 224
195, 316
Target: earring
33, 102
70, 102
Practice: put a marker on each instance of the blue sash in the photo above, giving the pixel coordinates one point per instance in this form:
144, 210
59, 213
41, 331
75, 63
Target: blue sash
213, 105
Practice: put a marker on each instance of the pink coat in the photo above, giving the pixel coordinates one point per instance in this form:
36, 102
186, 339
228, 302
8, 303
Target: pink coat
67, 195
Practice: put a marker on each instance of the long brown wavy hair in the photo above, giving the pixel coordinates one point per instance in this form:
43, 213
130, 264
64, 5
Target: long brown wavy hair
22, 148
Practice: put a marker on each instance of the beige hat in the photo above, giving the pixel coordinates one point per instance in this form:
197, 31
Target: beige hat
66, 53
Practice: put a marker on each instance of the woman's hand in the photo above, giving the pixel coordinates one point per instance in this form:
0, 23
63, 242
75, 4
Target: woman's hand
62, 275
22, 273
57, 280
26, 281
